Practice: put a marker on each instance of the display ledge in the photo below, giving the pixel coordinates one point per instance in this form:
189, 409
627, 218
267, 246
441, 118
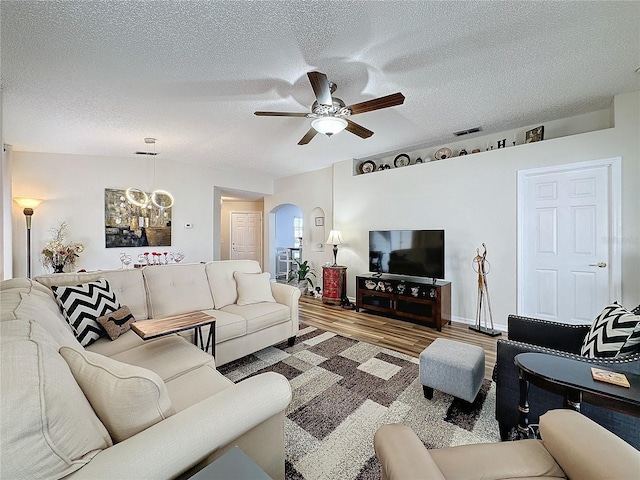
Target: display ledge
417, 155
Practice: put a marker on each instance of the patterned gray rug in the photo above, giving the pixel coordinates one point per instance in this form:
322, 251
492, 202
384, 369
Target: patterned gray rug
343, 390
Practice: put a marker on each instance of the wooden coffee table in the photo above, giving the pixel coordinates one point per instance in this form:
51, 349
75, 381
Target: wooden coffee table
572, 379
159, 327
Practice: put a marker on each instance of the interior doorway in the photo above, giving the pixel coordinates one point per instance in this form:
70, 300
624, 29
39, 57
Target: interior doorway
569, 264
246, 236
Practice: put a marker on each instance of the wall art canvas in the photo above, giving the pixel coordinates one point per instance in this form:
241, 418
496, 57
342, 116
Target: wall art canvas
129, 225
534, 135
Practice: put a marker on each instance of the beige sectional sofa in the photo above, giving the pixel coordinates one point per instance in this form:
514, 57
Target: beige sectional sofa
127, 408
162, 291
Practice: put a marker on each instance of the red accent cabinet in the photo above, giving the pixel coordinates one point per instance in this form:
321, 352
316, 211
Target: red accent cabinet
334, 284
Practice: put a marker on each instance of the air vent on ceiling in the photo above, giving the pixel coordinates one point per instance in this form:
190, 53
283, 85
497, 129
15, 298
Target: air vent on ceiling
467, 132
147, 153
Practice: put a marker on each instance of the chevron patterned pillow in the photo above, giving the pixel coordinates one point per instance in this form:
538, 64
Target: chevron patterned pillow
609, 332
82, 304
632, 345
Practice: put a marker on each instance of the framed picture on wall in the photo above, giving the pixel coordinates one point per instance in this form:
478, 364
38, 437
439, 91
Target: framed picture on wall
319, 221
534, 135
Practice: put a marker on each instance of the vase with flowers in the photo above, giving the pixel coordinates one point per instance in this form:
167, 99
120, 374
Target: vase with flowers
57, 254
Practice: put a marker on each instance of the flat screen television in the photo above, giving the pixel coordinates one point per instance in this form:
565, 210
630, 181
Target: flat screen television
418, 253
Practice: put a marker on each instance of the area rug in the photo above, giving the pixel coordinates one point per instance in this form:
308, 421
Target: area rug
343, 390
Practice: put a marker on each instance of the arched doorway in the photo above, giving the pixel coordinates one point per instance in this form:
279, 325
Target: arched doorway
286, 239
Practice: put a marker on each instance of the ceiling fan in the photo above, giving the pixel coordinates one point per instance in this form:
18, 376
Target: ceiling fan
330, 113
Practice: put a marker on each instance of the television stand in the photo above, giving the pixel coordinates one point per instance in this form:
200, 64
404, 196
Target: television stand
416, 299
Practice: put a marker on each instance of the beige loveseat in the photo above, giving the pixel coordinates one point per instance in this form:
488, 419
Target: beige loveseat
572, 446
126, 408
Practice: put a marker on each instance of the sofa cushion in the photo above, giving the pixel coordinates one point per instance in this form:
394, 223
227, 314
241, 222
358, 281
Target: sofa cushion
127, 398
260, 315
228, 325
169, 356
17, 305
609, 332
106, 346
221, 280
127, 284
82, 304
177, 289
48, 427
253, 288
196, 385
116, 323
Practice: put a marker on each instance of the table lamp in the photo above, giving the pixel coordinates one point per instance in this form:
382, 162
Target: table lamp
335, 239
28, 204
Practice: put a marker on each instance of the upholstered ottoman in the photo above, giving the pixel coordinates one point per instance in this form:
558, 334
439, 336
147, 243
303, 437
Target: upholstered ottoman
452, 367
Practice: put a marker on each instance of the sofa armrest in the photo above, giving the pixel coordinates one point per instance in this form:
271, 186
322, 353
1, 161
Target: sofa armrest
585, 449
544, 333
402, 455
285, 294
169, 448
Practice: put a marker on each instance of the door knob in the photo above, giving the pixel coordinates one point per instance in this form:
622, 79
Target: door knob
599, 264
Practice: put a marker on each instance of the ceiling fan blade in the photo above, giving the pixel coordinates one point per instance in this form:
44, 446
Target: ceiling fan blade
280, 114
320, 85
308, 136
358, 130
377, 103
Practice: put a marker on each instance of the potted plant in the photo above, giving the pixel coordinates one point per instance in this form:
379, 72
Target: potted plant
302, 274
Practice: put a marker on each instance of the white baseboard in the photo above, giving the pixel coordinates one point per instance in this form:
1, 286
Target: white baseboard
468, 321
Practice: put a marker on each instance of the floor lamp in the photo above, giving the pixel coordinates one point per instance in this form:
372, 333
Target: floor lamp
28, 204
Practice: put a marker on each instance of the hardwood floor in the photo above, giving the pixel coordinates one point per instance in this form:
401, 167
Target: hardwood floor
399, 335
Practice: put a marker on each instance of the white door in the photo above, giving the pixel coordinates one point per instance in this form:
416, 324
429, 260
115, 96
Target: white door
246, 236
569, 267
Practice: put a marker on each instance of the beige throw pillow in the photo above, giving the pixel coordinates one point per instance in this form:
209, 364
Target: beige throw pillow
116, 323
126, 398
253, 288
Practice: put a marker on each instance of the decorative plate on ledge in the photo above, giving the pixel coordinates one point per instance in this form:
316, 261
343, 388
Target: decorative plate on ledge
443, 153
401, 160
367, 167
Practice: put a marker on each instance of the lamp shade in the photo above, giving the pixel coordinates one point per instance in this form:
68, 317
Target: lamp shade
26, 202
329, 125
335, 238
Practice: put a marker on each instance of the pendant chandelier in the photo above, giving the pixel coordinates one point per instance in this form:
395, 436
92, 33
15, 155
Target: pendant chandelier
159, 198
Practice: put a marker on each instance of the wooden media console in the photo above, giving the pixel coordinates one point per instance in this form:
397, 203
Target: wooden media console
413, 298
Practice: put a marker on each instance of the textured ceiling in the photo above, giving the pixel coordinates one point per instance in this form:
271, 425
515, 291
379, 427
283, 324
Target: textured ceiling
96, 77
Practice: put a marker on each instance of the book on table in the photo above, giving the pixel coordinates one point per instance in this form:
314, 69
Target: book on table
609, 377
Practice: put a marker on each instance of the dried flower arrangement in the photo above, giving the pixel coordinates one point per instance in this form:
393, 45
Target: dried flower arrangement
56, 254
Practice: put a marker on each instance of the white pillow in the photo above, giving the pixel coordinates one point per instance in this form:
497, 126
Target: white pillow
253, 288
126, 398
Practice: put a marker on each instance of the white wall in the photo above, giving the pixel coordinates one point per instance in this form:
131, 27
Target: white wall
474, 199
73, 189
308, 191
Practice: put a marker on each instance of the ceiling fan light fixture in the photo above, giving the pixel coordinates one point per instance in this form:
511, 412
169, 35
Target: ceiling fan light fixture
329, 125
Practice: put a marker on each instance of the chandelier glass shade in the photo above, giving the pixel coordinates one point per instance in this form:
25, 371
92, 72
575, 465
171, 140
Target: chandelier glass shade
159, 198
329, 125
